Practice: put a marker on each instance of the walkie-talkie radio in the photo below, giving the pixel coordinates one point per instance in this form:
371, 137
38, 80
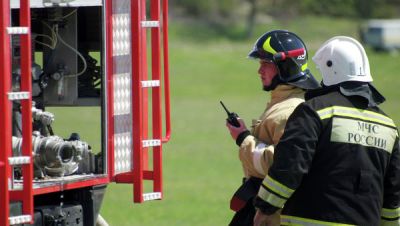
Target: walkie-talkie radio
232, 117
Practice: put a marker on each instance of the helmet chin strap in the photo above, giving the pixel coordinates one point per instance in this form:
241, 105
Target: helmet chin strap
274, 83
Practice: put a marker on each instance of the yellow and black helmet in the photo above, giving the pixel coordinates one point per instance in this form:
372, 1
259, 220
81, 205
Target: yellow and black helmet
289, 53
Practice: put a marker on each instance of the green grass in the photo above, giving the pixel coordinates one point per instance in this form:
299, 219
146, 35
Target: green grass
201, 166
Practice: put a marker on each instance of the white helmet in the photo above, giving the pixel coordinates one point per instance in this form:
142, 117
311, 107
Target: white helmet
342, 59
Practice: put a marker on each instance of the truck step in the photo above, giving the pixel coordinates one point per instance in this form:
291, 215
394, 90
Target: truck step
19, 160
150, 83
151, 196
18, 95
150, 23
17, 30
20, 219
151, 143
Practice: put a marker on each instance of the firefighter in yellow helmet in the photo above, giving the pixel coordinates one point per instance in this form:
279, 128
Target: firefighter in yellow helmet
283, 70
338, 161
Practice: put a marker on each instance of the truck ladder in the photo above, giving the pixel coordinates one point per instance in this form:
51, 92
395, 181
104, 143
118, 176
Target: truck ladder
8, 193
141, 84
157, 27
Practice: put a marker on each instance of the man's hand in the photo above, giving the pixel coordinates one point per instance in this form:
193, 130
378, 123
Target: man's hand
261, 219
235, 131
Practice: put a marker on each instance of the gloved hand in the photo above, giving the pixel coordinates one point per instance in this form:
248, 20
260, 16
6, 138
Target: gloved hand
235, 131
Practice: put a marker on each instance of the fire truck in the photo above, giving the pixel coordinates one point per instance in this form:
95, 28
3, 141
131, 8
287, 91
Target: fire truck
111, 55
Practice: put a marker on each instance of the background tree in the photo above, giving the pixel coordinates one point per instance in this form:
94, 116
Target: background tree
226, 16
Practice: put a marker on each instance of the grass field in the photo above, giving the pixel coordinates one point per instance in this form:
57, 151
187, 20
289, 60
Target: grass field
201, 167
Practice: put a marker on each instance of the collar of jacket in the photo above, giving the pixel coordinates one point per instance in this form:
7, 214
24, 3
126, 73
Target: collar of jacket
362, 89
284, 91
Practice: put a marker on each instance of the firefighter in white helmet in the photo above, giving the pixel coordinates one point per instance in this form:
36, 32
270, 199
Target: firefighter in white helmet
283, 71
338, 161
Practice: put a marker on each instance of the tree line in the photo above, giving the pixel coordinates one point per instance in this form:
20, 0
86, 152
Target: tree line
222, 13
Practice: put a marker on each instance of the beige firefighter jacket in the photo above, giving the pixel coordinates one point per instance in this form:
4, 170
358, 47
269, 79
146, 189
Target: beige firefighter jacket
256, 150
